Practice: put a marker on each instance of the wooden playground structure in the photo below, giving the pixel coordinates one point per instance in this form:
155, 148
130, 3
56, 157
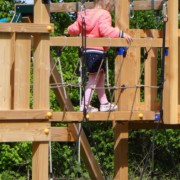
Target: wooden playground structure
19, 122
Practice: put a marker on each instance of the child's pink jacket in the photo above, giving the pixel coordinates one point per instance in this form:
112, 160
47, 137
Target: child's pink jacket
98, 24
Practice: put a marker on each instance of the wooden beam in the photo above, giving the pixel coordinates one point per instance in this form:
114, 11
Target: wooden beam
103, 116
108, 42
69, 7
61, 134
147, 5
151, 125
26, 27
72, 7
24, 131
30, 115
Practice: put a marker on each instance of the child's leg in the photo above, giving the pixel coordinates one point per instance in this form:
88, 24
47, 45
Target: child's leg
100, 88
89, 91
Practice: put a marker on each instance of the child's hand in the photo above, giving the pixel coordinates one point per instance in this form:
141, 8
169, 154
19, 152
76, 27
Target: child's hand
127, 37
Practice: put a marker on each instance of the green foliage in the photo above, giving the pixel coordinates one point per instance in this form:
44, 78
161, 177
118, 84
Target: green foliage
11, 175
102, 143
166, 153
65, 164
146, 20
15, 158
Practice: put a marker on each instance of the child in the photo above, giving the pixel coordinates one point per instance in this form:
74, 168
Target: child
98, 24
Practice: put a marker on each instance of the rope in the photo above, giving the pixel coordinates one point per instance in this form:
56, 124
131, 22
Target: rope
122, 87
50, 159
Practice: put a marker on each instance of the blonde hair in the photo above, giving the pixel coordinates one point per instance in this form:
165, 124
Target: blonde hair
105, 4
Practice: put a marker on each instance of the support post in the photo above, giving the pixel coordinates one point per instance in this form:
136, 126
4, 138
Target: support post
121, 131
170, 104
41, 87
179, 76
121, 151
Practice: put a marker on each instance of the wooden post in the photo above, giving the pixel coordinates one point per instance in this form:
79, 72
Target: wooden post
121, 151
41, 87
179, 67
178, 75
121, 132
170, 105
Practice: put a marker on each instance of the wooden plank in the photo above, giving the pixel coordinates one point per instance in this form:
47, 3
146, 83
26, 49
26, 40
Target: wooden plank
22, 71
61, 134
72, 7
150, 96
33, 131
121, 151
23, 131
30, 115
147, 5
41, 71
41, 87
69, 7
103, 116
27, 27
144, 108
127, 70
170, 104
152, 125
108, 42
7, 41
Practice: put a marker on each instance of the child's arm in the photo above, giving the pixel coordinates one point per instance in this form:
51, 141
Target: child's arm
74, 29
107, 30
